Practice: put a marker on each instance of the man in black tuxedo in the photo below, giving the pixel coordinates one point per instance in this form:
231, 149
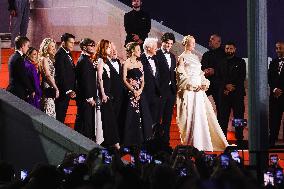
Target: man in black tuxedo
167, 66
19, 83
64, 75
86, 90
276, 98
151, 77
231, 75
210, 61
117, 86
137, 24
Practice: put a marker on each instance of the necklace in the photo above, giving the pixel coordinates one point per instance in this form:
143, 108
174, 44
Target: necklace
133, 62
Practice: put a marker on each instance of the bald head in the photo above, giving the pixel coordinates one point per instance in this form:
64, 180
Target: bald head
214, 41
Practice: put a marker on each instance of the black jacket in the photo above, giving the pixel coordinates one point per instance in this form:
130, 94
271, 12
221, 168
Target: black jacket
64, 71
117, 86
274, 79
232, 71
136, 22
166, 75
151, 87
19, 82
86, 79
212, 59
12, 5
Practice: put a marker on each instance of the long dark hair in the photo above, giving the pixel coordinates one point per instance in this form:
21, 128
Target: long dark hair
29, 52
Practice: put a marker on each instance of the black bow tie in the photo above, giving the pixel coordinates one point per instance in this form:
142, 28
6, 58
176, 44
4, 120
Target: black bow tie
150, 57
166, 52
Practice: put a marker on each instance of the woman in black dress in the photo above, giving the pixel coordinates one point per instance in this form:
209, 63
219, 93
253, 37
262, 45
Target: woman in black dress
110, 127
138, 122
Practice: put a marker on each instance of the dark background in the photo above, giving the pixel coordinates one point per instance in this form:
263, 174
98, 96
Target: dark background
225, 17
202, 18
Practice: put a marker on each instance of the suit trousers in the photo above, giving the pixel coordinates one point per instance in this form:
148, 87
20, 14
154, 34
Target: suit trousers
154, 107
85, 120
227, 103
166, 113
19, 23
61, 106
276, 109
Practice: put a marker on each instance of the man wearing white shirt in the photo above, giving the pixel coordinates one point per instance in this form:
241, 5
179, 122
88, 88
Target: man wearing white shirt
167, 65
86, 90
64, 75
276, 98
151, 76
117, 88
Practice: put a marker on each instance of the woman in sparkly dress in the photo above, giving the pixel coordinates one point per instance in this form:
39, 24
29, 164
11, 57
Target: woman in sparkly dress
138, 123
46, 53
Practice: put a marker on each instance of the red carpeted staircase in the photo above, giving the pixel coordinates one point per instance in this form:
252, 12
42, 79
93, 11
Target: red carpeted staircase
72, 109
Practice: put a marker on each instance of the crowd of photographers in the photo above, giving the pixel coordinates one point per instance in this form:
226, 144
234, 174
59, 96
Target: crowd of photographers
153, 166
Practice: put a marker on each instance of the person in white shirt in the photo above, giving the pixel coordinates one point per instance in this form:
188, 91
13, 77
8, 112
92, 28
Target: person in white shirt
167, 65
276, 98
151, 71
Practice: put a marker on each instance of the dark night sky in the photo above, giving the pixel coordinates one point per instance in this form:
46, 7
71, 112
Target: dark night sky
225, 17
201, 18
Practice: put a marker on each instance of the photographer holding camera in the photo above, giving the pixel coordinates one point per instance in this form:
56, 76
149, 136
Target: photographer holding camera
231, 76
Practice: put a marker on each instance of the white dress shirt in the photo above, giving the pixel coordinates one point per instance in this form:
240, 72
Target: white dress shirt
168, 57
152, 64
115, 64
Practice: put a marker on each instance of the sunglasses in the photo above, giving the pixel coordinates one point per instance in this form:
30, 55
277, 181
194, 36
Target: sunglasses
91, 45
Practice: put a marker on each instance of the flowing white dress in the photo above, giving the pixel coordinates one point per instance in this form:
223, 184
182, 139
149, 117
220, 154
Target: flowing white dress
196, 119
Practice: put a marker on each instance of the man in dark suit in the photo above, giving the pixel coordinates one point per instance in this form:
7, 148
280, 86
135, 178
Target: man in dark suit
137, 24
19, 83
151, 77
64, 75
276, 98
167, 65
231, 75
210, 61
117, 87
86, 90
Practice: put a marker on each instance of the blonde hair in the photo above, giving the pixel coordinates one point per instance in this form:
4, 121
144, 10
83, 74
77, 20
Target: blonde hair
186, 39
44, 46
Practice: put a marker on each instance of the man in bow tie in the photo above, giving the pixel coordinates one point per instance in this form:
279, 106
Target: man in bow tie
276, 98
231, 74
167, 65
64, 75
151, 76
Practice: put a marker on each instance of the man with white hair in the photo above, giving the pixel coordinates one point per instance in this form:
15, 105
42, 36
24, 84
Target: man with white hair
151, 77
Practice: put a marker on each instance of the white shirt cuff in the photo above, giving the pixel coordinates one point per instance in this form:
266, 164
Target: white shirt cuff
90, 99
274, 89
69, 91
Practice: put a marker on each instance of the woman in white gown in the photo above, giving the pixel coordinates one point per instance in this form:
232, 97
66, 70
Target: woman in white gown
196, 118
